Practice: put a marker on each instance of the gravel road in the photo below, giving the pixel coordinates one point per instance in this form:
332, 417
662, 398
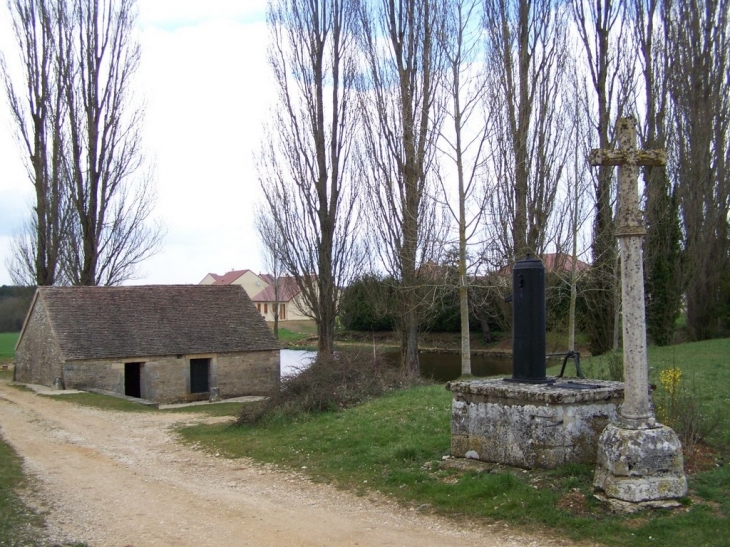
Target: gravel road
121, 479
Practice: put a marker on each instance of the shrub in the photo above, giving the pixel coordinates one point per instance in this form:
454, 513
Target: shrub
679, 407
331, 383
367, 304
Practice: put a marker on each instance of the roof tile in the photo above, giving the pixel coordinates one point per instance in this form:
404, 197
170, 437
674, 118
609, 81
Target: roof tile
106, 322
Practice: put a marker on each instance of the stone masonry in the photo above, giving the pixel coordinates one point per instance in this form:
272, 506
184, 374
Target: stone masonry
167, 379
530, 425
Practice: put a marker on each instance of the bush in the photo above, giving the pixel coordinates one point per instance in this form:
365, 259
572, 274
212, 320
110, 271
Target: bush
331, 383
679, 407
366, 304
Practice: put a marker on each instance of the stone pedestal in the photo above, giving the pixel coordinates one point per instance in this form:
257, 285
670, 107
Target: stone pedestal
531, 425
640, 464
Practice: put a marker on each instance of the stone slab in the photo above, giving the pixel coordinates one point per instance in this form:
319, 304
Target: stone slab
561, 392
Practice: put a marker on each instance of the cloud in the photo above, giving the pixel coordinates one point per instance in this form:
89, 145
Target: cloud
207, 90
173, 15
14, 210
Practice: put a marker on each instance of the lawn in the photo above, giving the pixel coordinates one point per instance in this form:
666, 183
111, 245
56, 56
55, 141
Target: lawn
705, 370
394, 445
7, 346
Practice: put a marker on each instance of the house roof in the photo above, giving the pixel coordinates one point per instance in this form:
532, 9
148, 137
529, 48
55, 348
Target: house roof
228, 277
554, 262
287, 290
563, 263
108, 322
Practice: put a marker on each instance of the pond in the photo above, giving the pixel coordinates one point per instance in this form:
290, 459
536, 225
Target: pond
439, 366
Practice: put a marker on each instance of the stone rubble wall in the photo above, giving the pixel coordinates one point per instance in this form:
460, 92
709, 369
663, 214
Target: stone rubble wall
38, 358
167, 379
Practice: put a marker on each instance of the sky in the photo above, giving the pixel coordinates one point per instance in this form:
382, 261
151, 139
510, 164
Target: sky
207, 90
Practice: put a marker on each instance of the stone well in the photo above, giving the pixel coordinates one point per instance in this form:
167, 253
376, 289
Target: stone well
531, 425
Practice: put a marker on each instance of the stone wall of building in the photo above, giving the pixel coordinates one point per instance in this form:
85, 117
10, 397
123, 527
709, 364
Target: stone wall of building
104, 374
167, 379
254, 373
38, 357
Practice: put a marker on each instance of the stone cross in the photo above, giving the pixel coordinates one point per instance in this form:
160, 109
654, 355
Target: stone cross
636, 411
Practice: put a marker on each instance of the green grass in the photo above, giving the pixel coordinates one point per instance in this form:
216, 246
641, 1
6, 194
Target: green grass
19, 524
298, 336
288, 336
7, 346
393, 445
705, 371
107, 402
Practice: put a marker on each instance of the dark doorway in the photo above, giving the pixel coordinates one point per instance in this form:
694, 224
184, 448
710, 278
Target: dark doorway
132, 380
199, 375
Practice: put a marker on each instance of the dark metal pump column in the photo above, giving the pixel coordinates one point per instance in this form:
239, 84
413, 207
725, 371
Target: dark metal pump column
528, 322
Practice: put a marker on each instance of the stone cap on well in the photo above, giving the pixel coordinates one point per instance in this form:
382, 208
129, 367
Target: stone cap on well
560, 392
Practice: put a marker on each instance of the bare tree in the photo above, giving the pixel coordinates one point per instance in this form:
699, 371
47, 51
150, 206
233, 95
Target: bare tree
111, 192
38, 110
526, 60
697, 33
601, 28
400, 121
271, 253
305, 171
662, 260
21, 263
464, 136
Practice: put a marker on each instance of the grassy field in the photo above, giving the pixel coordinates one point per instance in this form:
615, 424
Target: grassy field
394, 445
7, 346
705, 370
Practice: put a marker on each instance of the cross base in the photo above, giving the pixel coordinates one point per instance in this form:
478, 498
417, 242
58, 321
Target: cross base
640, 465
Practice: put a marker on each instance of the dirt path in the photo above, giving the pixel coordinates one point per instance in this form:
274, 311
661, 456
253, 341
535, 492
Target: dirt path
120, 479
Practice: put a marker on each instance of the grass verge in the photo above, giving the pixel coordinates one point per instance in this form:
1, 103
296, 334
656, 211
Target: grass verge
19, 524
107, 402
394, 444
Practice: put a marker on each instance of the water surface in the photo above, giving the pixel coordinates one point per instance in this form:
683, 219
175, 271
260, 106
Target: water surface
438, 366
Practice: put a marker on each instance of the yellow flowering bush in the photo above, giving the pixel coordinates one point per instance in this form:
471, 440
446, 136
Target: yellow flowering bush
670, 379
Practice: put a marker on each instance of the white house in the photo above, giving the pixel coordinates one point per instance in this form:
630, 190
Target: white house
261, 289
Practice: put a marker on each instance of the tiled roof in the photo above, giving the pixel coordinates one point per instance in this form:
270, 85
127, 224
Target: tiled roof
288, 289
268, 278
563, 263
228, 278
554, 262
154, 320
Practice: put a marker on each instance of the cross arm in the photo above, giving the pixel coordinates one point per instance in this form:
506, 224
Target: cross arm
622, 157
